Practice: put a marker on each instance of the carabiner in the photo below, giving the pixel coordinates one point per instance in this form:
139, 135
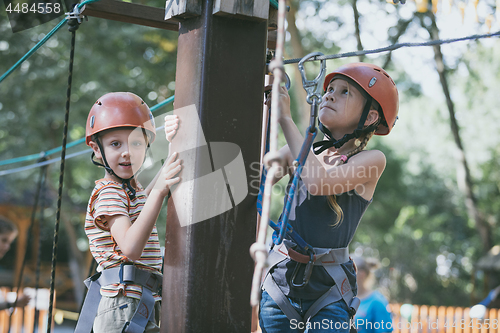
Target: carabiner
307, 271
312, 87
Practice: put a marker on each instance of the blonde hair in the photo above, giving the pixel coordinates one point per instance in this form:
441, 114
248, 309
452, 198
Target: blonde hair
332, 199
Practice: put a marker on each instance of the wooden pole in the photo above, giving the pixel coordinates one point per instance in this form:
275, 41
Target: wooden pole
208, 269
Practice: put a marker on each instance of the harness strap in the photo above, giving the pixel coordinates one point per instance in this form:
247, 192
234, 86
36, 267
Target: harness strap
330, 259
126, 273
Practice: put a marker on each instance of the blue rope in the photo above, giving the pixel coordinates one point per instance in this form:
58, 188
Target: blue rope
301, 159
290, 232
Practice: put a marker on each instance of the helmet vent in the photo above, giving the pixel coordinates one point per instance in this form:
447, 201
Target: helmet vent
372, 82
92, 121
99, 103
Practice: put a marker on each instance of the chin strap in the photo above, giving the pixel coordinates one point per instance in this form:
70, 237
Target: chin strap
319, 147
125, 182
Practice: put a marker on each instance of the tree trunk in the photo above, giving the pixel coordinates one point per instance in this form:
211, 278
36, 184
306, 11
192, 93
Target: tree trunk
463, 173
356, 25
297, 52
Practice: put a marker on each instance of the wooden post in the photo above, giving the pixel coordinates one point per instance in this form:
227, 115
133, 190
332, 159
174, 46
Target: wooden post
208, 269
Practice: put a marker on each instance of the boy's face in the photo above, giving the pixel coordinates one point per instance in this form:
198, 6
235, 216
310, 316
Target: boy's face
124, 149
5, 240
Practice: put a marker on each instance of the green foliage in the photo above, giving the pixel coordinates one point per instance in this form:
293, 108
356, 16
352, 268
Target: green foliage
109, 56
417, 224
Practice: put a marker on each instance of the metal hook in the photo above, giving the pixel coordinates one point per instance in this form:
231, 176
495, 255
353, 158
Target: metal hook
307, 271
312, 87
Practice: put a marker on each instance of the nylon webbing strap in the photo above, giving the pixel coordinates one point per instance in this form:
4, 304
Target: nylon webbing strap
90, 306
143, 314
330, 259
150, 282
341, 282
277, 295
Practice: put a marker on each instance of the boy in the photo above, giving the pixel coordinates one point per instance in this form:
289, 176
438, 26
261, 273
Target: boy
121, 218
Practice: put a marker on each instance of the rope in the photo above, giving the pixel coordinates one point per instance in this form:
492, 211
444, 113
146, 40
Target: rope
258, 249
73, 26
69, 145
395, 47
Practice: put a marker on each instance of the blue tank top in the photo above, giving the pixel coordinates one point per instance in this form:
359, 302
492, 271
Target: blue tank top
313, 218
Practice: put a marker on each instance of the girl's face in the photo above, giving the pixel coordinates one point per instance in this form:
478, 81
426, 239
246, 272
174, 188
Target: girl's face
5, 240
124, 150
341, 106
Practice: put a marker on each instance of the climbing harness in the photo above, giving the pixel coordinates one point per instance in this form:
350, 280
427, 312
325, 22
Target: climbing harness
331, 260
291, 247
127, 273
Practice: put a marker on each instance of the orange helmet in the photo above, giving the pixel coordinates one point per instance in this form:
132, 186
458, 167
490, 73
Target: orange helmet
378, 84
119, 109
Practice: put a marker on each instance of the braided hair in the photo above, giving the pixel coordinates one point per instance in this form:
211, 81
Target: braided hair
363, 142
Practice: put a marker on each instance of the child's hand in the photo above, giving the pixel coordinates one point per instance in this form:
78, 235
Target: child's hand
22, 301
284, 101
167, 174
171, 125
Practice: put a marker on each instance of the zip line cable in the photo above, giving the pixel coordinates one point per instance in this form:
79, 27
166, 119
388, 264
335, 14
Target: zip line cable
54, 160
69, 145
395, 47
41, 42
286, 62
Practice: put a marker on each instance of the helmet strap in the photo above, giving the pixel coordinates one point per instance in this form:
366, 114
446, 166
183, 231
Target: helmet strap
125, 182
319, 147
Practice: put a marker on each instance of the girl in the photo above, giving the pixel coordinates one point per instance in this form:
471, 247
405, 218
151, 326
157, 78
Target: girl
336, 187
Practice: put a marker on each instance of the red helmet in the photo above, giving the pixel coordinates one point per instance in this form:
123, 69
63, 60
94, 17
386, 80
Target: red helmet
378, 84
120, 109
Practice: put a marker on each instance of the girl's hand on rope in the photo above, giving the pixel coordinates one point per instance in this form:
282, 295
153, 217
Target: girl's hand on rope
171, 126
167, 178
284, 100
284, 103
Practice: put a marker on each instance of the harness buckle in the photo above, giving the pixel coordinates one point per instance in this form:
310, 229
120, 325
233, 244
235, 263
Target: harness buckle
125, 327
307, 271
127, 272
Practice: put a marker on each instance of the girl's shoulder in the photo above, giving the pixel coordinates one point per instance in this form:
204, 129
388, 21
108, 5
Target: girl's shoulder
369, 158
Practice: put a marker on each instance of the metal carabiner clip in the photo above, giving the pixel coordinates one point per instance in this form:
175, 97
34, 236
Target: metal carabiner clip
312, 87
307, 271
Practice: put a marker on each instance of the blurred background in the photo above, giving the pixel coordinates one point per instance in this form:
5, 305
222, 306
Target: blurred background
433, 224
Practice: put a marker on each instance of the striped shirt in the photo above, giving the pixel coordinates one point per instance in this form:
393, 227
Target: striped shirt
108, 199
